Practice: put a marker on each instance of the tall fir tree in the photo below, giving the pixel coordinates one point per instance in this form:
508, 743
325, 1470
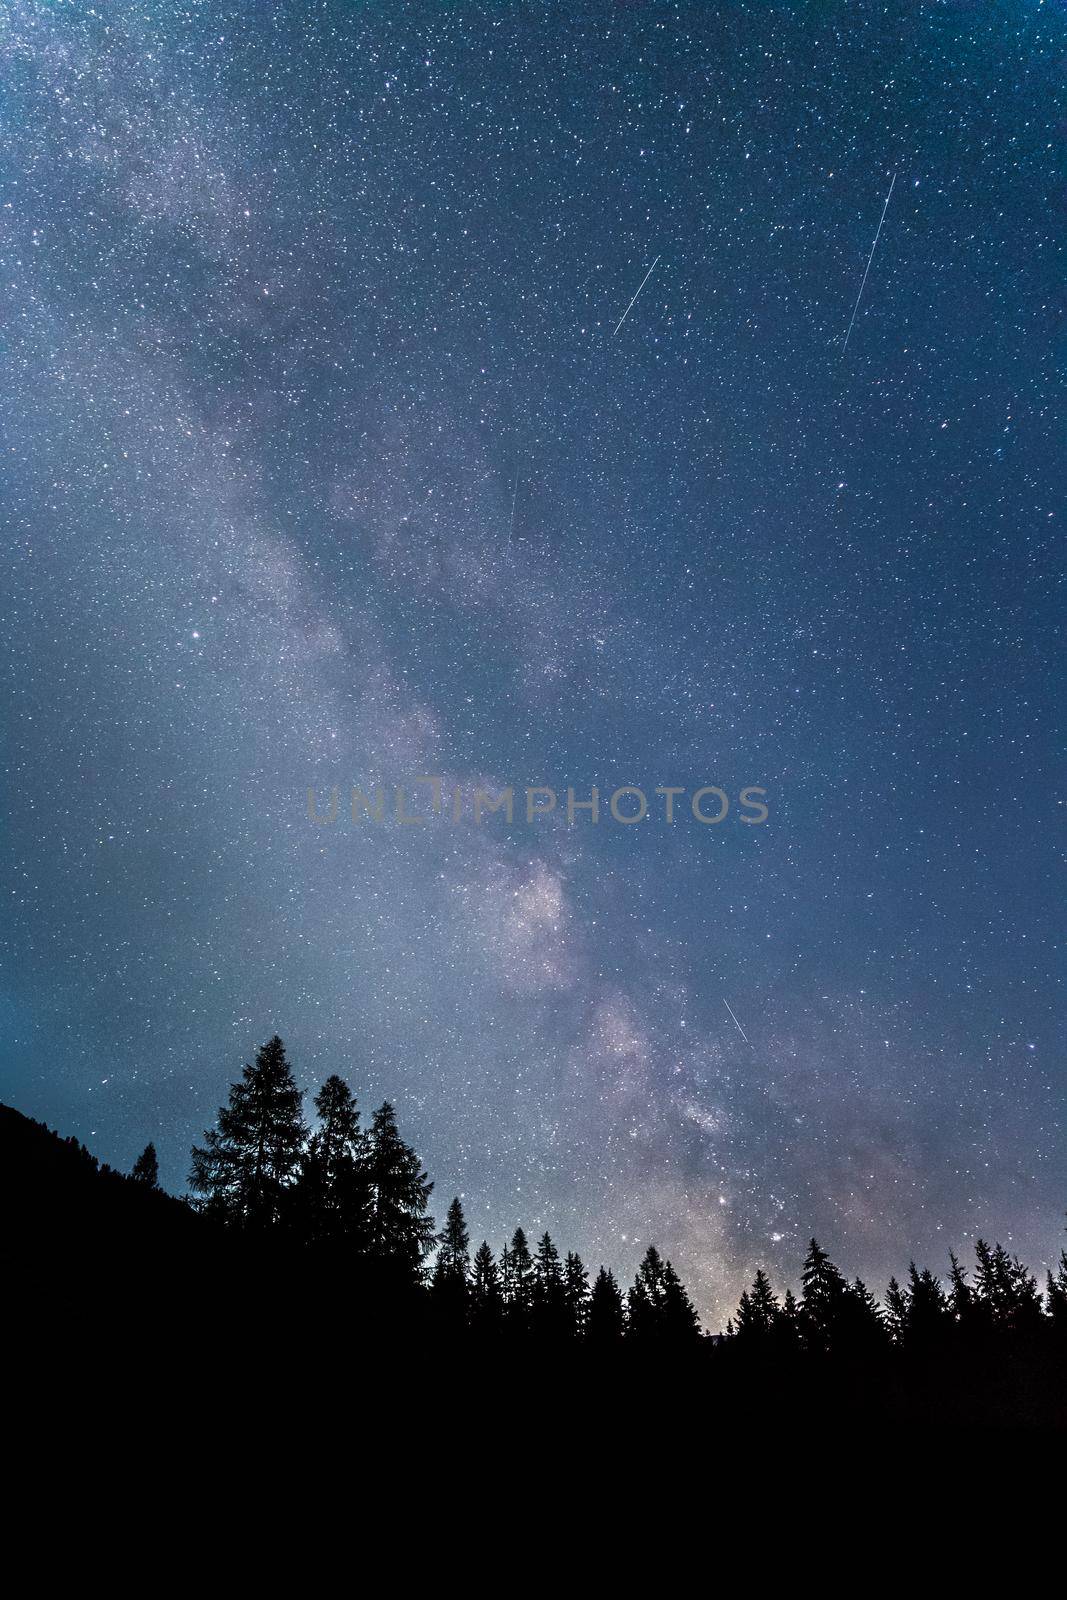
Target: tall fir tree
400, 1232
548, 1301
518, 1302
339, 1136
450, 1283
146, 1168
575, 1294
645, 1297
333, 1197
861, 1330
928, 1311
1026, 1315
787, 1327
506, 1274
823, 1299
250, 1160
961, 1301
486, 1301
658, 1306
757, 1313
1004, 1290
1056, 1296
606, 1320
679, 1320
453, 1255
896, 1312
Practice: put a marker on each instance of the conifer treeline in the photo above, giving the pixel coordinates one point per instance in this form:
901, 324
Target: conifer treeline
362, 1194
835, 1317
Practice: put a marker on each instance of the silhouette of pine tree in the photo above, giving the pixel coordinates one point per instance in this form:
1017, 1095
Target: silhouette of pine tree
548, 1301
575, 1295
896, 1312
825, 1291
645, 1297
517, 1278
1056, 1297
928, 1311
1026, 1315
332, 1199
606, 1320
993, 1286
658, 1307
680, 1322
961, 1298
450, 1283
506, 1275
486, 1301
757, 1314
250, 1160
370, 1192
861, 1331
786, 1333
1005, 1291
400, 1232
146, 1168
453, 1256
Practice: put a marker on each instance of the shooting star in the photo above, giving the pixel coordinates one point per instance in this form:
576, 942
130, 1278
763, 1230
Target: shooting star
737, 1025
514, 498
630, 307
870, 258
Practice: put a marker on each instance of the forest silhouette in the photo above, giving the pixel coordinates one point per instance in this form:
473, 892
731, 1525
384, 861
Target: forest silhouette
303, 1228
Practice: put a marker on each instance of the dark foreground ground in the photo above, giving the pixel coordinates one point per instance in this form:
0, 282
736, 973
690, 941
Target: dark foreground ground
121, 1299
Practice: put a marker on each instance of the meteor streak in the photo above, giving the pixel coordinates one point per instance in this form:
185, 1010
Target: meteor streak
737, 1025
870, 258
514, 498
630, 307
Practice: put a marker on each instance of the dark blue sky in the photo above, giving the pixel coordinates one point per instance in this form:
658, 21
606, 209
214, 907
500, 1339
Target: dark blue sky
325, 465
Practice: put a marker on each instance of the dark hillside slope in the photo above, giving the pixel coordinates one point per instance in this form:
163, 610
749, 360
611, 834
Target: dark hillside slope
60, 1200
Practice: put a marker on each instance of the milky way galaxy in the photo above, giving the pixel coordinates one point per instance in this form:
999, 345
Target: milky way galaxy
323, 467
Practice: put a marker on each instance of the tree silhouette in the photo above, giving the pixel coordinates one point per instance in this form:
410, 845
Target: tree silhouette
606, 1319
517, 1280
451, 1273
333, 1196
927, 1307
1056, 1296
658, 1306
679, 1318
961, 1297
453, 1256
575, 1295
757, 1314
787, 1339
506, 1275
861, 1331
1005, 1291
296, 1193
825, 1291
399, 1231
251, 1158
645, 1297
896, 1312
146, 1168
486, 1301
548, 1300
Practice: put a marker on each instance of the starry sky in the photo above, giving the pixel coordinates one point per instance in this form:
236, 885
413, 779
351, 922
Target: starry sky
327, 462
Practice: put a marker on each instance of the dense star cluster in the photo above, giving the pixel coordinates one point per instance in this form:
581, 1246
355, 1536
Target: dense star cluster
331, 459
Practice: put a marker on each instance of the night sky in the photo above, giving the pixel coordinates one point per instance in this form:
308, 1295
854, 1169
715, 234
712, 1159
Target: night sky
327, 463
